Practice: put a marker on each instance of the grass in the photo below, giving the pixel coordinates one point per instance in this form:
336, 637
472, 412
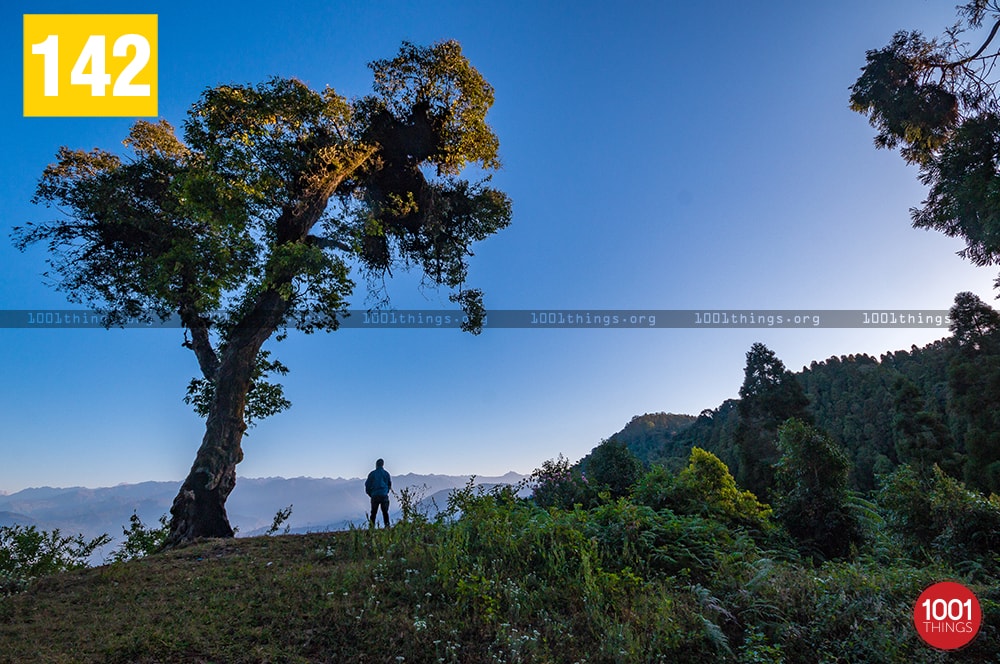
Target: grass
289, 598
507, 582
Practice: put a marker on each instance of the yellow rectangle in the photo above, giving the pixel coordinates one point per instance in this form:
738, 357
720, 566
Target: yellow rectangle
90, 65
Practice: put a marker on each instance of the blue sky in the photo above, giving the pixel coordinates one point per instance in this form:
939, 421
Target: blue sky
660, 155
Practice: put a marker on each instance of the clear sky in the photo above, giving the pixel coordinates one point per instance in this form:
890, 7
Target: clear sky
659, 155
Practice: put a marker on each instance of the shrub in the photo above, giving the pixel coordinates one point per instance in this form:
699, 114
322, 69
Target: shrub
932, 513
280, 518
556, 484
140, 540
613, 468
706, 488
813, 499
27, 553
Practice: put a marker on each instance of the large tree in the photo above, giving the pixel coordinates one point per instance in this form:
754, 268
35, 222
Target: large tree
974, 382
813, 498
252, 224
770, 394
935, 99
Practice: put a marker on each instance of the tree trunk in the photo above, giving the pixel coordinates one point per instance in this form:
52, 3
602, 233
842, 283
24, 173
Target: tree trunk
199, 510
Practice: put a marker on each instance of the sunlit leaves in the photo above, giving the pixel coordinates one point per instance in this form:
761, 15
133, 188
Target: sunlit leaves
707, 480
143, 235
271, 137
150, 139
455, 97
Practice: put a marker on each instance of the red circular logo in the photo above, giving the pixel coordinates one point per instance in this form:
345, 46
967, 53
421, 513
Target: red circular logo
947, 616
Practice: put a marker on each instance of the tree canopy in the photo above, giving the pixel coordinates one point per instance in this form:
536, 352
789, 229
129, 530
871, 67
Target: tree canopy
935, 100
254, 222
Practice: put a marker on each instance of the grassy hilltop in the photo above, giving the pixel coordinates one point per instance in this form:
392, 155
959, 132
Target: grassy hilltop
506, 582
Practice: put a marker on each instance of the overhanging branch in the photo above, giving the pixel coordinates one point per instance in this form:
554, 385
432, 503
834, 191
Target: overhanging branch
965, 61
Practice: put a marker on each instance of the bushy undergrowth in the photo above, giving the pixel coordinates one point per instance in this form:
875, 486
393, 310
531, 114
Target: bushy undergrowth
27, 553
622, 582
934, 516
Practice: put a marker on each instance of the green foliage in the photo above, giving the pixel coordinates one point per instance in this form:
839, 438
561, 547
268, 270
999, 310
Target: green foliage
857, 399
499, 580
557, 484
704, 488
769, 396
707, 480
143, 242
974, 383
140, 540
975, 326
595, 582
412, 505
962, 199
936, 101
812, 491
612, 467
428, 110
440, 82
657, 488
757, 650
647, 436
713, 430
609, 472
933, 514
263, 399
250, 226
27, 553
653, 543
902, 100
922, 437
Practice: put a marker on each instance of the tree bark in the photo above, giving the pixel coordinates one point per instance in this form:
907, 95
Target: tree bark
199, 510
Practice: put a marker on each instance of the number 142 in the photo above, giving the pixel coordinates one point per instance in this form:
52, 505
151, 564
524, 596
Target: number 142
93, 55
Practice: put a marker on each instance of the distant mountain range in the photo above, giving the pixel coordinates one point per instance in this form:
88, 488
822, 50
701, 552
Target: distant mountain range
317, 504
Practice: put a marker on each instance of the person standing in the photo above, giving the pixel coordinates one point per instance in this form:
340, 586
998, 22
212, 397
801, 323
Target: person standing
377, 486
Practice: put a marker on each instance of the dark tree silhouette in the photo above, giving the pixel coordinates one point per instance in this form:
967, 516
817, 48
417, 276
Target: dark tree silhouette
935, 99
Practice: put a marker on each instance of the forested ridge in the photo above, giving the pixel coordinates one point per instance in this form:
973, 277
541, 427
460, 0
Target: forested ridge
883, 411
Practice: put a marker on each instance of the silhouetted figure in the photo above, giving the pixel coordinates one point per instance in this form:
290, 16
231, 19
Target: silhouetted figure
377, 486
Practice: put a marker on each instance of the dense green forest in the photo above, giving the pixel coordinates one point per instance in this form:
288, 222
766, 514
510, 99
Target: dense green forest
938, 404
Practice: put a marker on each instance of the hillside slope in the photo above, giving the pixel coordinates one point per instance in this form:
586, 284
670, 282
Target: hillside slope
510, 583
